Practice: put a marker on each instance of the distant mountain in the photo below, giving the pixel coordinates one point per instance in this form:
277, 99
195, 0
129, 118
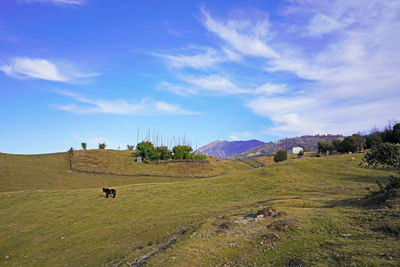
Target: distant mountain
223, 149
308, 141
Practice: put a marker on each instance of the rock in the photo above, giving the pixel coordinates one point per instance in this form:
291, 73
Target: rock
267, 212
259, 218
346, 234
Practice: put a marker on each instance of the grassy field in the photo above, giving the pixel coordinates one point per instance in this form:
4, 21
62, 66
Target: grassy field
124, 162
51, 216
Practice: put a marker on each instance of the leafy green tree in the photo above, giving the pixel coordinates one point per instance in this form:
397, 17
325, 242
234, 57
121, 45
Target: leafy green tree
130, 147
336, 144
102, 145
182, 152
198, 157
325, 147
349, 144
396, 133
281, 155
163, 152
360, 141
373, 139
386, 154
83, 146
146, 150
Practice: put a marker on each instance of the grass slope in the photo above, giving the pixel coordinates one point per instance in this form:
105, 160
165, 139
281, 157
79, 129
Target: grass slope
124, 162
80, 226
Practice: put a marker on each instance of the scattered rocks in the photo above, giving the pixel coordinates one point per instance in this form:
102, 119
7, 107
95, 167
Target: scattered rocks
266, 212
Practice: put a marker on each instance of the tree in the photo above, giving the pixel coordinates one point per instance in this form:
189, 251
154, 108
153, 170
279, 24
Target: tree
130, 147
182, 152
360, 141
373, 139
83, 146
336, 144
146, 150
383, 154
281, 155
325, 147
163, 152
102, 145
349, 144
396, 133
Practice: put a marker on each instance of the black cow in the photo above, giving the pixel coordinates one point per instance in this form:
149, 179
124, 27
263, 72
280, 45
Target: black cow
109, 191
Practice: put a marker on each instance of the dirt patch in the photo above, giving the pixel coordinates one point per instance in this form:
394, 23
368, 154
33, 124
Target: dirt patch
279, 214
284, 225
268, 237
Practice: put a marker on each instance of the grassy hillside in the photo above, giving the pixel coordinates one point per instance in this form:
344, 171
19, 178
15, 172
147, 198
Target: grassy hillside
51, 171
124, 162
79, 226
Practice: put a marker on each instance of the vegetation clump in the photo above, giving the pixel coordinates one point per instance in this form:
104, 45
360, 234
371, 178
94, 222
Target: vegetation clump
102, 145
281, 155
180, 152
83, 146
385, 154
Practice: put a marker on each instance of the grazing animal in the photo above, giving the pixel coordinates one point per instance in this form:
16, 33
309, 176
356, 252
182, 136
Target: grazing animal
110, 191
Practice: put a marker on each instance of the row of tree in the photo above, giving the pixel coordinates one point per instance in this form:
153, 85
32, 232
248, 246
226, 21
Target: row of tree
358, 142
148, 152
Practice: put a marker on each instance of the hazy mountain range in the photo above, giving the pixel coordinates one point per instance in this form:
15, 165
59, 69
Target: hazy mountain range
223, 149
256, 148
310, 142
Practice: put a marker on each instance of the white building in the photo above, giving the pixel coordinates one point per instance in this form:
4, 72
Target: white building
295, 150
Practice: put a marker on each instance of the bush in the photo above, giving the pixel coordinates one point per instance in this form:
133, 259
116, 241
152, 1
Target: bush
383, 154
198, 157
163, 153
325, 147
373, 139
349, 144
83, 146
336, 144
102, 145
301, 153
281, 155
182, 152
130, 147
147, 151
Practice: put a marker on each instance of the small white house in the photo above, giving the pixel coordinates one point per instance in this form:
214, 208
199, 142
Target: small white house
295, 150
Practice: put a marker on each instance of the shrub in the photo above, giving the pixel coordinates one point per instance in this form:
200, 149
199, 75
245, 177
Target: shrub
336, 144
146, 150
83, 146
182, 152
373, 140
198, 157
325, 147
163, 152
130, 147
301, 153
383, 154
102, 145
281, 155
349, 144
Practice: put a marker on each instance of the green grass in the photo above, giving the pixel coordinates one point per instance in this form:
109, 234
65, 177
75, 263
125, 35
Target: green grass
68, 223
124, 162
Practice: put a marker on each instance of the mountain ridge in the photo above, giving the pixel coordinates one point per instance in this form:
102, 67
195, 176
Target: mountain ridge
223, 148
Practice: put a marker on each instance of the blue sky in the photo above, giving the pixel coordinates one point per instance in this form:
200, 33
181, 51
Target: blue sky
93, 71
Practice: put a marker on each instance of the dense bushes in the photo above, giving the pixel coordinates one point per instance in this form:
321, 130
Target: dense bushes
130, 147
102, 145
325, 147
386, 154
148, 152
281, 155
83, 146
182, 152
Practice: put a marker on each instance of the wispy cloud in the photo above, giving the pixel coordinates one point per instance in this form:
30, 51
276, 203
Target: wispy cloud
246, 36
38, 68
194, 58
59, 2
145, 107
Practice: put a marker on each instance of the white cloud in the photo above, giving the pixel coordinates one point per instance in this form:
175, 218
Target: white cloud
144, 107
195, 58
59, 2
37, 68
213, 83
245, 36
